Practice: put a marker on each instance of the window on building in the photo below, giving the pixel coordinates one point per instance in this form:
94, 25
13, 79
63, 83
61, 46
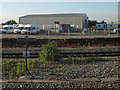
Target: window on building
57, 22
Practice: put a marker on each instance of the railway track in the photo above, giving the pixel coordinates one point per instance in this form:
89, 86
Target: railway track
66, 53
14, 42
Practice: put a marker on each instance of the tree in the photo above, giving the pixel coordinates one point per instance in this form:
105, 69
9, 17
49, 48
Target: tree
112, 22
118, 25
49, 52
102, 22
92, 23
10, 22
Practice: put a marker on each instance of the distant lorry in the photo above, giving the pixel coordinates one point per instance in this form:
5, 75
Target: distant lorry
31, 29
19, 28
8, 28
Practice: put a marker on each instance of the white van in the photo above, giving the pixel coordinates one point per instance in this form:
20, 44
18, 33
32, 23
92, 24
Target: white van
19, 28
31, 29
8, 28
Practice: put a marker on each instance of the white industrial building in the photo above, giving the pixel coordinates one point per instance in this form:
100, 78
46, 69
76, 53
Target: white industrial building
106, 26
80, 20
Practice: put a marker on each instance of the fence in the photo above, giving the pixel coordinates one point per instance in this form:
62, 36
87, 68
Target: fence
73, 31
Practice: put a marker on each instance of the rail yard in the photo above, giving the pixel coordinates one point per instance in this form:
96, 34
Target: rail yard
60, 46
85, 61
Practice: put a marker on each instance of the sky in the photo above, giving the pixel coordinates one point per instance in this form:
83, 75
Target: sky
60, 0
99, 11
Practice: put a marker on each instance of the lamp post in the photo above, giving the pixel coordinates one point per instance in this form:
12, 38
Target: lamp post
68, 32
26, 39
118, 30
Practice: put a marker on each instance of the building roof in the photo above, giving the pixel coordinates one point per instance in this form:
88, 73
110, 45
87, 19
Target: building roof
55, 15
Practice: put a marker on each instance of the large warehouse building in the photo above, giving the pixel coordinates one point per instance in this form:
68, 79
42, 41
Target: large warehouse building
77, 19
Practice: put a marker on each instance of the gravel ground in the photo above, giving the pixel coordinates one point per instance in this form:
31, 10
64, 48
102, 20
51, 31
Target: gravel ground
63, 85
67, 50
60, 36
64, 71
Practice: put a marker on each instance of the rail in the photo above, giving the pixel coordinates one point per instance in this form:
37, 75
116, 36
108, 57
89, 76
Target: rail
65, 54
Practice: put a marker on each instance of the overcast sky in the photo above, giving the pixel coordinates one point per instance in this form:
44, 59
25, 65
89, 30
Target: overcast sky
107, 11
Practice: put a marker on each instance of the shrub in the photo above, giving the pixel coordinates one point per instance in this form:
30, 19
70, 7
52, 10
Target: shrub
73, 60
49, 52
69, 58
15, 68
76, 59
11, 74
23, 67
28, 63
19, 68
33, 62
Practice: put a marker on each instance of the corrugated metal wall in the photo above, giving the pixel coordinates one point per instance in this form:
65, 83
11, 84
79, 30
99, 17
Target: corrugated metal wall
73, 20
